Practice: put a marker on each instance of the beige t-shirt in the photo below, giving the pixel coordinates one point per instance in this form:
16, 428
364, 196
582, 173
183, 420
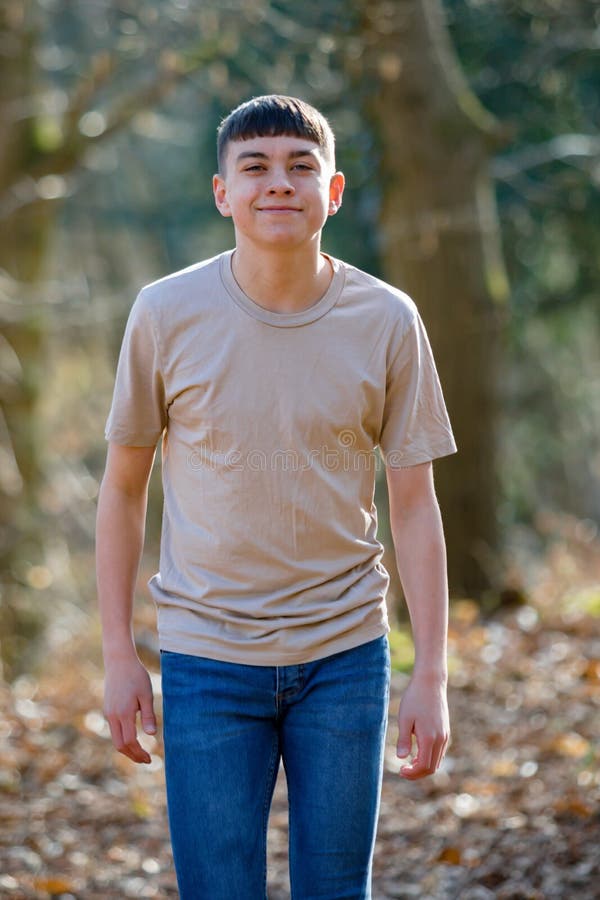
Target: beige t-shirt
269, 423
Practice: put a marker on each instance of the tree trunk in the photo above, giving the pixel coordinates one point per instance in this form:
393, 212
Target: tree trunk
23, 231
37, 152
440, 243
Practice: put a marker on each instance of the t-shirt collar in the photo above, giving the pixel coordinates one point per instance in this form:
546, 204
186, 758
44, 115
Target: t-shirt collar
281, 319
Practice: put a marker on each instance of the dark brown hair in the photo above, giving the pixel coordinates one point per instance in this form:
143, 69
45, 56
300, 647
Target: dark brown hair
270, 116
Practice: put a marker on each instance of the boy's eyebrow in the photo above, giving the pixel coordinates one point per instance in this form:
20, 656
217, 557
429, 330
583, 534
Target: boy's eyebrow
257, 154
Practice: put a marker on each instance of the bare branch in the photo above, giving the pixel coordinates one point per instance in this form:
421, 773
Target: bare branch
172, 69
563, 147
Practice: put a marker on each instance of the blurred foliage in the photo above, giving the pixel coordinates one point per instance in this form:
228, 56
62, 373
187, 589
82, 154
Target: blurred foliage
401, 650
121, 111
535, 66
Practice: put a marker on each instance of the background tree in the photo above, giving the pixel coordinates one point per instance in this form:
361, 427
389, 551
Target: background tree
439, 241
535, 66
57, 103
93, 150
105, 176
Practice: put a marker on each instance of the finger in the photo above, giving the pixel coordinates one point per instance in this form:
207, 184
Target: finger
422, 763
439, 752
124, 739
427, 760
412, 773
416, 769
137, 753
119, 743
405, 732
116, 735
134, 750
131, 746
147, 714
437, 745
436, 758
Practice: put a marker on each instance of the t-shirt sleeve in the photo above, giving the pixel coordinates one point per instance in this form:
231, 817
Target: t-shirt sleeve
416, 427
138, 414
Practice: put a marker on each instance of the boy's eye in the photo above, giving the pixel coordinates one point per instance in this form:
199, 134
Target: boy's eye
256, 167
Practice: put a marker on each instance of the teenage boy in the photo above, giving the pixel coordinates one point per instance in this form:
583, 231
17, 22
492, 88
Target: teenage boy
272, 372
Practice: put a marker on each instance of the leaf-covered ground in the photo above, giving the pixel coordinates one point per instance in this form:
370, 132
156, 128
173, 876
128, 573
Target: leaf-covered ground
514, 812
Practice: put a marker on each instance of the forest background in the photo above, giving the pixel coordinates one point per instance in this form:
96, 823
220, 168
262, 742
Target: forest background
469, 136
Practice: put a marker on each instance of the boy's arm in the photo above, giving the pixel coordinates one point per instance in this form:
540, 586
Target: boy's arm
119, 542
416, 527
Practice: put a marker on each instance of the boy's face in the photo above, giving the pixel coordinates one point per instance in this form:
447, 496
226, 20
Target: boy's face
279, 190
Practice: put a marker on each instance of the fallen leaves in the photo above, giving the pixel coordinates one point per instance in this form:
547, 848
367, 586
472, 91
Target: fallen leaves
571, 744
53, 886
512, 814
515, 810
451, 856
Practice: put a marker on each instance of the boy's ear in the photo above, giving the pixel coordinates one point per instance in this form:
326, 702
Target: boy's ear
336, 192
220, 195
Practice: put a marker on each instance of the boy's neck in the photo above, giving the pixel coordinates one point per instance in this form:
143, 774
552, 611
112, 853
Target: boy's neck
282, 282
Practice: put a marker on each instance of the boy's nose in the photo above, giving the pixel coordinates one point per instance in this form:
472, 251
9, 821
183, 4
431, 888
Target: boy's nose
280, 184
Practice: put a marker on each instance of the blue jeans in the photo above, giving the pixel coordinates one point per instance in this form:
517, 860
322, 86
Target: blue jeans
226, 727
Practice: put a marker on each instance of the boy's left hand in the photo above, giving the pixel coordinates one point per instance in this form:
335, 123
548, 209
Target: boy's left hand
424, 713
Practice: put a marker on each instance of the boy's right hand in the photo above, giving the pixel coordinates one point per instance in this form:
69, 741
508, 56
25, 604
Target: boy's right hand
127, 691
